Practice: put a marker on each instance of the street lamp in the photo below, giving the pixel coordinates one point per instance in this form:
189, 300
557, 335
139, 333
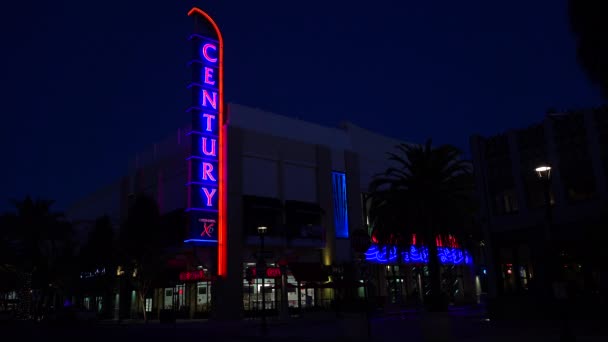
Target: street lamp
261, 269
543, 172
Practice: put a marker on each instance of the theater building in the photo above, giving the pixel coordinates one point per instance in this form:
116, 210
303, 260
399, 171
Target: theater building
302, 181
237, 172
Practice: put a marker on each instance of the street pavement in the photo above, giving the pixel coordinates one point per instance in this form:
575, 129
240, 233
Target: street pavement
458, 325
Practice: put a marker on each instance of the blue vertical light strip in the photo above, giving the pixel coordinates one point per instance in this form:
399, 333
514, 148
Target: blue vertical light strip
338, 180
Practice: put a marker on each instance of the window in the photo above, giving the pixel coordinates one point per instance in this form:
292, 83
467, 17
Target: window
148, 304
168, 293
303, 220
202, 290
262, 211
505, 202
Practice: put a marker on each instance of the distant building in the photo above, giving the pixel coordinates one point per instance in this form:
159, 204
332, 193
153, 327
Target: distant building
513, 211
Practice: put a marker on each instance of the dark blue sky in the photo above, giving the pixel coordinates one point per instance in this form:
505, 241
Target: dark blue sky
85, 85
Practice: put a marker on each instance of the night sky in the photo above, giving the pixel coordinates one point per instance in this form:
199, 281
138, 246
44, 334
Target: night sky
85, 85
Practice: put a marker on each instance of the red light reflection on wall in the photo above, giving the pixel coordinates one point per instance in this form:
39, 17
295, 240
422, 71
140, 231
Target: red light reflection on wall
271, 272
440, 240
192, 276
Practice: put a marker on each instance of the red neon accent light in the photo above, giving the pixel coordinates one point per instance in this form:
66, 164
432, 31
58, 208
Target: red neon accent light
222, 248
271, 272
192, 276
449, 240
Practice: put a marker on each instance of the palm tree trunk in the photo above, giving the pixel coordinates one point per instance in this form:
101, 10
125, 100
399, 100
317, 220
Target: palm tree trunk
436, 297
142, 302
400, 265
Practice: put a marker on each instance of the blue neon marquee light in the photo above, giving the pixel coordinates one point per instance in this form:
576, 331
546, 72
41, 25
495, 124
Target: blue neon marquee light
338, 180
416, 255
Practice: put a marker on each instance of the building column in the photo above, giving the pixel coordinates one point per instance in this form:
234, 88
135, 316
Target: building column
595, 151
485, 212
556, 180
517, 174
324, 196
191, 289
229, 290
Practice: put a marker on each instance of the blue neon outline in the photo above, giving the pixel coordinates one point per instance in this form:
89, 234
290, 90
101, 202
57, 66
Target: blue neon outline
199, 86
200, 183
201, 209
193, 157
340, 204
201, 109
200, 240
198, 36
417, 254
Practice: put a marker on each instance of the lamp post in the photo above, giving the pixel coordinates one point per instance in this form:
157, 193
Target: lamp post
544, 176
559, 292
261, 269
360, 241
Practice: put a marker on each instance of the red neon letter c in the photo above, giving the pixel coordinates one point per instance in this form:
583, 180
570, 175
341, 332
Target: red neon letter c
206, 54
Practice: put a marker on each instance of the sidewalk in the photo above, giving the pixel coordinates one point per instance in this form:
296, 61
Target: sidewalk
464, 326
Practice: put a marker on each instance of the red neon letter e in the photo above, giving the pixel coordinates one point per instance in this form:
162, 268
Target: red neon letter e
209, 76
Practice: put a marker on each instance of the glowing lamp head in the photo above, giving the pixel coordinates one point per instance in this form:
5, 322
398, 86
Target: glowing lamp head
543, 171
262, 230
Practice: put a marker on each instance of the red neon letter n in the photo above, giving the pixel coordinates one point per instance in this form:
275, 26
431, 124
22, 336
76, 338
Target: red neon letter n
212, 99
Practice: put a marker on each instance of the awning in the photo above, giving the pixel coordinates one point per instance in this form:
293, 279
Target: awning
264, 203
343, 284
303, 207
308, 272
289, 286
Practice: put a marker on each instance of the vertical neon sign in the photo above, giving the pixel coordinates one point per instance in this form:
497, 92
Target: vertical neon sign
206, 185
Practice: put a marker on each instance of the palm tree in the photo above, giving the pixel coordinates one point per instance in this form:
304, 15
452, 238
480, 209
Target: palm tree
42, 241
142, 246
428, 192
99, 253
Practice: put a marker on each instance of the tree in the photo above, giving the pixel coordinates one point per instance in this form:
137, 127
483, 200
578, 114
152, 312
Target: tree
588, 20
42, 244
428, 192
97, 261
98, 250
142, 246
